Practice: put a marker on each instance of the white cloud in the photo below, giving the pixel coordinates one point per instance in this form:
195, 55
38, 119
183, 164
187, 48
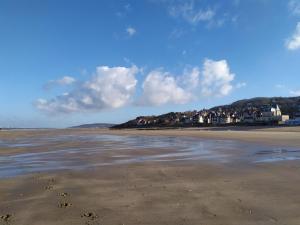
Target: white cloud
114, 87
177, 33
293, 43
189, 12
294, 7
295, 92
217, 78
124, 10
194, 12
162, 88
110, 87
131, 31
241, 85
66, 80
279, 86
190, 78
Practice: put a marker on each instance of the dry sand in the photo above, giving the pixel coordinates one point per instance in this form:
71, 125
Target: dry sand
200, 193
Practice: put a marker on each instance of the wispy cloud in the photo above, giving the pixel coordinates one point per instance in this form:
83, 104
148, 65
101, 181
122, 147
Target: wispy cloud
295, 92
279, 86
131, 31
241, 85
124, 10
294, 7
196, 12
188, 11
66, 80
293, 43
177, 33
287, 90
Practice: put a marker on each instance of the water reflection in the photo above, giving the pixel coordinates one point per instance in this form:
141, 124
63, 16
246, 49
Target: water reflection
102, 150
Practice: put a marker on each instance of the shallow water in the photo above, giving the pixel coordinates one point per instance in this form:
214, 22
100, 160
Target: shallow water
86, 151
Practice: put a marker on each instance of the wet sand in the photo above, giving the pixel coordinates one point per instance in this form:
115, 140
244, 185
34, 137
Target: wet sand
270, 135
201, 192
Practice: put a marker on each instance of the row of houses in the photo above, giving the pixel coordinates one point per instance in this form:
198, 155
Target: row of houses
267, 114
264, 114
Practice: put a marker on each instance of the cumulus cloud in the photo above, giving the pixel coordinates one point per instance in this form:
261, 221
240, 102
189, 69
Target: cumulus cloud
161, 88
110, 87
293, 43
217, 78
66, 80
114, 87
190, 79
294, 7
131, 31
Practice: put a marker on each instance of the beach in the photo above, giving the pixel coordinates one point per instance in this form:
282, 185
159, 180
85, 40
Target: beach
248, 176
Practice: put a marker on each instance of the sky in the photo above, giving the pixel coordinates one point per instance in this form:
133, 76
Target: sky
71, 62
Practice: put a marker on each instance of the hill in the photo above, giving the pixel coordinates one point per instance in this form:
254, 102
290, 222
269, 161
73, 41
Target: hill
288, 105
95, 125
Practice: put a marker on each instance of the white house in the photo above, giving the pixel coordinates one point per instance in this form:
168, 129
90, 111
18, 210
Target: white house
270, 113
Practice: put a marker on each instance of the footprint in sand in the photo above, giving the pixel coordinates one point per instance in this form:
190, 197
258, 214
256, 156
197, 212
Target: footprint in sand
6, 218
64, 205
90, 216
64, 194
50, 184
48, 187
51, 181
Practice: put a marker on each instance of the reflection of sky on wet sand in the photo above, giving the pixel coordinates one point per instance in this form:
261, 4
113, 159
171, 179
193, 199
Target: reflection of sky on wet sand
102, 150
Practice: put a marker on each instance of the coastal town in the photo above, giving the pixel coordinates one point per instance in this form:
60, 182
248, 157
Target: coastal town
268, 114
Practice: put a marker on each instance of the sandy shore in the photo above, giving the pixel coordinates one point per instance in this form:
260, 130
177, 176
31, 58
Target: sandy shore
202, 193
156, 194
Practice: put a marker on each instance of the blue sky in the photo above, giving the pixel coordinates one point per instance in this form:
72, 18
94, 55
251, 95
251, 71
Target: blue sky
66, 62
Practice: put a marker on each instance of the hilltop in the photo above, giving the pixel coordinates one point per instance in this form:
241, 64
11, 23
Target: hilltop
288, 105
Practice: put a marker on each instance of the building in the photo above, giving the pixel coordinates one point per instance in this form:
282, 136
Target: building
284, 119
266, 114
270, 113
248, 117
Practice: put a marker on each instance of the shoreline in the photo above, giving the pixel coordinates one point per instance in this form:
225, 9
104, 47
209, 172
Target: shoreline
273, 136
283, 136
